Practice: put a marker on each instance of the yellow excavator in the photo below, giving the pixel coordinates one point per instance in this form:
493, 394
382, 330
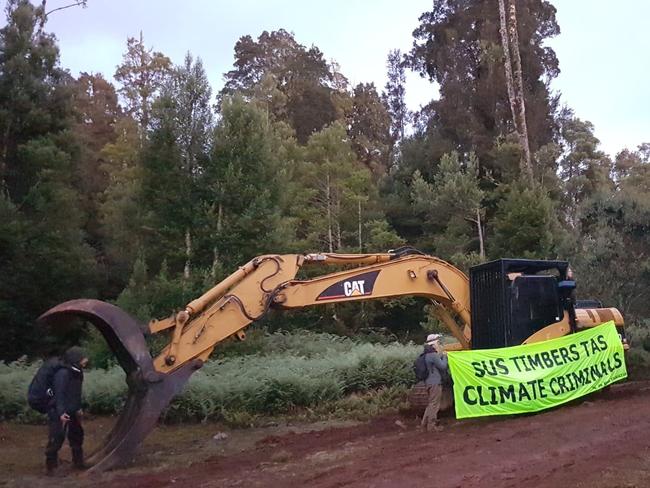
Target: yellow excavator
502, 303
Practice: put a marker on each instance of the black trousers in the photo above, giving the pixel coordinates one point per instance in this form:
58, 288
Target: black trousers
56, 437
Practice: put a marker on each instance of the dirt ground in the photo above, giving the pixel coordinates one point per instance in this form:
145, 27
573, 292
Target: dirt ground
603, 441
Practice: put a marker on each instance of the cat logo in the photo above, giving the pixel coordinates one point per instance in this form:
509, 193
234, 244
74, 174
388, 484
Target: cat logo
352, 288
355, 286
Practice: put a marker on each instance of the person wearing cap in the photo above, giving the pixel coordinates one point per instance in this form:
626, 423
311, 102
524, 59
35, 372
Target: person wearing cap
64, 417
436, 360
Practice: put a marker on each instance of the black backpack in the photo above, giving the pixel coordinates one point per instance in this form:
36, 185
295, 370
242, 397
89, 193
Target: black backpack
40, 394
420, 368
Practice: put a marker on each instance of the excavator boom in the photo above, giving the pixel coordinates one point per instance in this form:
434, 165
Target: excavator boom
269, 281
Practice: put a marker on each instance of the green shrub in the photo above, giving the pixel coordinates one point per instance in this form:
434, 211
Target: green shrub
99, 354
638, 357
287, 373
362, 406
14, 380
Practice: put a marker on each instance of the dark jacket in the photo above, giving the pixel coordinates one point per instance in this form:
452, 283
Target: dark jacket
67, 390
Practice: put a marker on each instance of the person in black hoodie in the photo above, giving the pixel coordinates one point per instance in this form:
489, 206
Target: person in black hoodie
64, 415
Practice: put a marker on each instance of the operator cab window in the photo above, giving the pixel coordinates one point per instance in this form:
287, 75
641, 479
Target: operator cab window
535, 304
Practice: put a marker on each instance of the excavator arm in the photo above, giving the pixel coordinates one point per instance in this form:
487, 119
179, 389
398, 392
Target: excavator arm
269, 282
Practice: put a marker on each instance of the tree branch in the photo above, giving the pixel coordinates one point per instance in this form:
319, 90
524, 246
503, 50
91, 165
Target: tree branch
82, 3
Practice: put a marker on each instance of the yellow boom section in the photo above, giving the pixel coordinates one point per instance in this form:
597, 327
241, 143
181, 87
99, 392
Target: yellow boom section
269, 281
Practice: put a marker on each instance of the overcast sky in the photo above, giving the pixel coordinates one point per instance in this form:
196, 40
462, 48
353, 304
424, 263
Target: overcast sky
604, 47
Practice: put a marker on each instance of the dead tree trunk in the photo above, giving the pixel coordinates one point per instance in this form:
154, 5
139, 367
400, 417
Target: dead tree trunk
359, 215
188, 254
510, 84
330, 237
481, 243
519, 88
337, 221
479, 229
215, 249
514, 82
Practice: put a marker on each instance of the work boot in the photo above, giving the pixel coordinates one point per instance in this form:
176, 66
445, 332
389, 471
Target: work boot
50, 466
78, 459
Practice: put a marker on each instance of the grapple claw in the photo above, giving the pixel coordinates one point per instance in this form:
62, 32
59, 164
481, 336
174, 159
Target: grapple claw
149, 391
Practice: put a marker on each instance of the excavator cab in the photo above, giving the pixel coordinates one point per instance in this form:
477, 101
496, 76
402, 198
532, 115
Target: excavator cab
518, 301
512, 299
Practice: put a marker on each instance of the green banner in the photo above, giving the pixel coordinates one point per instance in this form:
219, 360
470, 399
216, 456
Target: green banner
533, 377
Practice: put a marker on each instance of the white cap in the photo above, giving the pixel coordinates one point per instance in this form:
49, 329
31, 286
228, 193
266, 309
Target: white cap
431, 338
